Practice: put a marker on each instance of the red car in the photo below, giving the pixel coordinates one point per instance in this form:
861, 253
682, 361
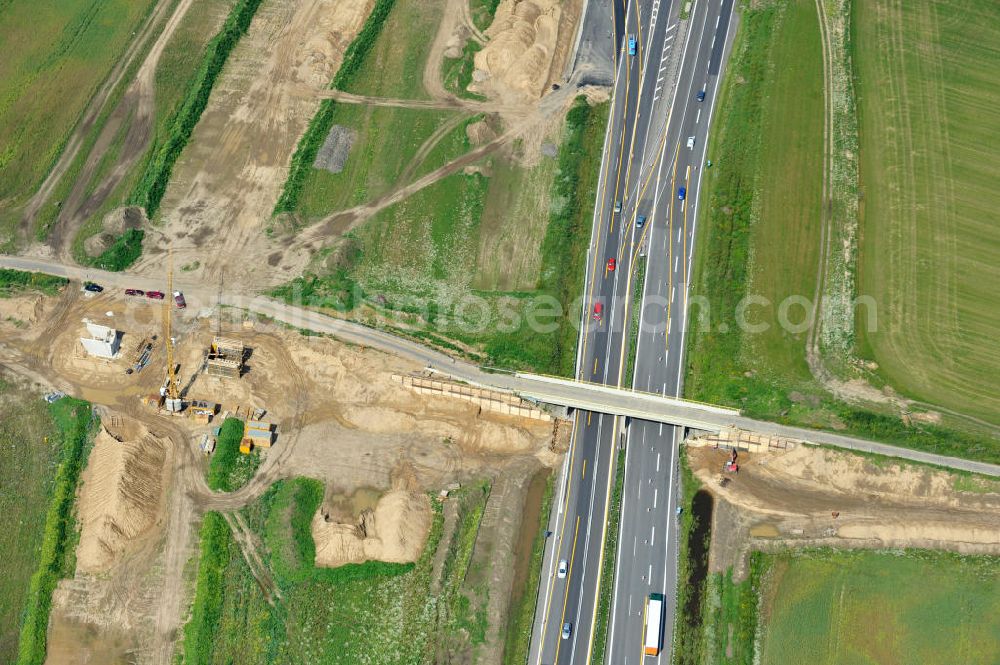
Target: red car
179, 299
134, 292
611, 264
598, 311
155, 295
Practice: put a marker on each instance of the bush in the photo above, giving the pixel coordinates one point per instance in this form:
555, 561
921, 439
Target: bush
207, 609
123, 253
151, 187
230, 469
15, 281
319, 127
72, 417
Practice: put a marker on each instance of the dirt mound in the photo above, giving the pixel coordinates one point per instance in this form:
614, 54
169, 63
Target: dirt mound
516, 62
480, 133
120, 499
394, 531
22, 311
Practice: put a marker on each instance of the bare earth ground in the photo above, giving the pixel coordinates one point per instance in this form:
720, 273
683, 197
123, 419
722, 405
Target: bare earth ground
808, 496
340, 418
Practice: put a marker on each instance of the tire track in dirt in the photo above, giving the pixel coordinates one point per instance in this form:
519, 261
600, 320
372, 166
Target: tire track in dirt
90, 116
136, 111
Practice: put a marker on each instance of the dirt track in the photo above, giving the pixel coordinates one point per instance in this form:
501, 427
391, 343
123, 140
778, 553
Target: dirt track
809, 496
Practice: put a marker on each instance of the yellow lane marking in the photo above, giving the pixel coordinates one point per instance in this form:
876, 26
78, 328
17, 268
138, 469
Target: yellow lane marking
645, 618
583, 474
595, 365
569, 576
588, 425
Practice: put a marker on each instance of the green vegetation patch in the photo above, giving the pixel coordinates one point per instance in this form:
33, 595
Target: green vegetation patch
860, 607
122, 253
14, 282
372, 612
56, 55
731, 614
385, 144
230, 469
153, 183
456, 73
930, 247
55, 553
483, 12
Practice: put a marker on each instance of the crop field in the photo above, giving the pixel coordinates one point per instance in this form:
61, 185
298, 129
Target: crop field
880, 608
29, 453
930, 245
358, 613
55, 57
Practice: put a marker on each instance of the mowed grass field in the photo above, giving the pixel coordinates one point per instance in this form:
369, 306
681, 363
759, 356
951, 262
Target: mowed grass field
930, 243
877, 608
29, 454
55, 56
759, 234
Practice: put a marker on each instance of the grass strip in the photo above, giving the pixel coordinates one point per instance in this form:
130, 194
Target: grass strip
636, 319
319, 126
734, 606
608, 569
153, 183
14, 282
208, 597
73, 420
230, 469
522, 612
688, 645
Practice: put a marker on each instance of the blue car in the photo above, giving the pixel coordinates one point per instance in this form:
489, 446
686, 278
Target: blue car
631, 45
681, 193
640, 220
701, 95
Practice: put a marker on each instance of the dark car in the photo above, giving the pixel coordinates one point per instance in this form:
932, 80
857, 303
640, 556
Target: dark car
179, 299
681, 193
93, 288
155, 295
700, 96
134, 292
640, 220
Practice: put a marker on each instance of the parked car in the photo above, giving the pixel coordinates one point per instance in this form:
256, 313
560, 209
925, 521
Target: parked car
567, 630
93, 288
700, 96
179, 299
681, 193
612, 263
640, 220
155, 295
563, 567
134, 292
598, 311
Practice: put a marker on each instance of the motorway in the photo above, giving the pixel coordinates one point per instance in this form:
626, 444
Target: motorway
647, 157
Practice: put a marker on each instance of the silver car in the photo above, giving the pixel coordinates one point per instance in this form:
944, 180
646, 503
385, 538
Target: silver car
567, 630
563, 566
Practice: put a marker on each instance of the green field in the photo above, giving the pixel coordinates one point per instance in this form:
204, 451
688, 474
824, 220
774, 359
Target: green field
880, 608
930, 251
359, 613
56, 55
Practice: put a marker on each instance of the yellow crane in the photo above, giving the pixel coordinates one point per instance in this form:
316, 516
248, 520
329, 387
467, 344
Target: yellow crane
171, 393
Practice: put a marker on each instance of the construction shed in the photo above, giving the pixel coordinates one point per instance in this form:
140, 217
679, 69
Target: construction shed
260, 438
103, 342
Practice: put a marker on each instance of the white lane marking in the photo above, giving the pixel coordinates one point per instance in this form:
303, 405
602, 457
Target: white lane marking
671, 27
713, 43
649, 577
697, 118
656, 492
678, 234
717, 19
676, 261
664, 388
635, 544
673, 293
652, 539
658, 454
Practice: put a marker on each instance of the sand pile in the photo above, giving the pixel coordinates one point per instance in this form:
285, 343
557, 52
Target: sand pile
20, 312
516, 62
394, 531
120, 499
